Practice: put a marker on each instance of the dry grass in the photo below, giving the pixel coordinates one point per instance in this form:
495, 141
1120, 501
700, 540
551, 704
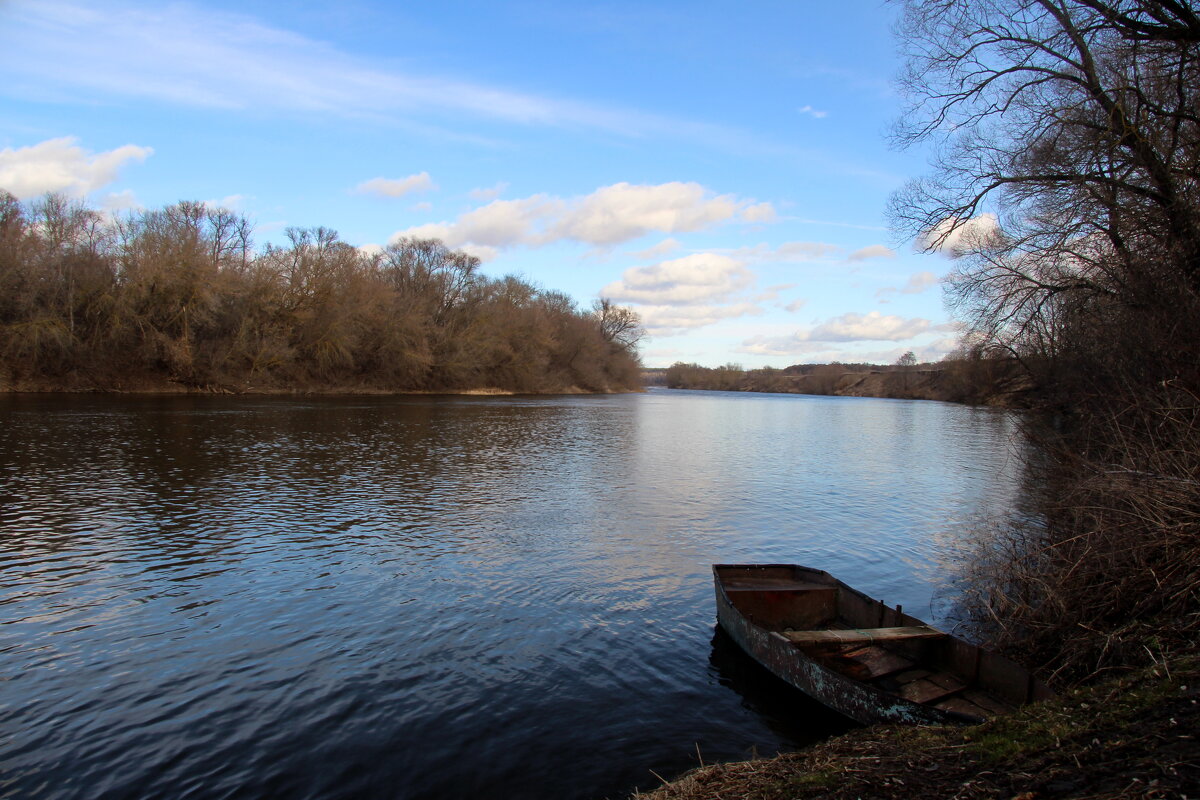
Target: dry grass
1107, 574
1130, 737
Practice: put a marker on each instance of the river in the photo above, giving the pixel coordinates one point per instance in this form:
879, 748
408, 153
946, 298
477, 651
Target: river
438, 597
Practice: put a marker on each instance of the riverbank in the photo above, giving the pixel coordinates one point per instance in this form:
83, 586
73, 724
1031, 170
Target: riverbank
991, 382
1133, 736
154, 387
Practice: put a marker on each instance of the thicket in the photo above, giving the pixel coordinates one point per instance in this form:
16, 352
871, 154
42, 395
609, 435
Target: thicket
1067, 185
962, 377
816, 378
181, 294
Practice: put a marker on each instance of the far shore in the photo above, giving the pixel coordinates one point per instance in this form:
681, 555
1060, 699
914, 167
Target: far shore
997, 384
175, 390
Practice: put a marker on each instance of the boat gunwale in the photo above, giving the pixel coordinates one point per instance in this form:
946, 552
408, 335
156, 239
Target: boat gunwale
853, 698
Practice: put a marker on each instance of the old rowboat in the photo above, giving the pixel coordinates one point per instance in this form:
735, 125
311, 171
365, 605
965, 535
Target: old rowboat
861, 658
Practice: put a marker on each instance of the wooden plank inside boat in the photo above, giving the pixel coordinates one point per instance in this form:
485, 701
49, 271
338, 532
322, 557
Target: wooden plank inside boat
863, 635
931, 688
865, 663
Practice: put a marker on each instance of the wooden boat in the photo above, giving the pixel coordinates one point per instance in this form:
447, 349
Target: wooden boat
870, 662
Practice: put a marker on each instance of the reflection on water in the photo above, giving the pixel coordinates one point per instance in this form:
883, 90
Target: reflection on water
436, 597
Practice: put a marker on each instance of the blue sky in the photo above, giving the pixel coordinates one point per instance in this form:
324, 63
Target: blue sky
720, 168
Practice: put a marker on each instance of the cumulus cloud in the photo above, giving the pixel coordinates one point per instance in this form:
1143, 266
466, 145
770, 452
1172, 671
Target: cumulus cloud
934, 351
874, 251
952, 237
796, 305
792, 252
851, 327
668, 320
668, 245
608, 216
693, 279
917, 282
489, 193
872, 326
230, 202
691, 292
759, 212
771, 293
780, 346
482, 252
396, 187
116, 202
624, 211
660, 353
61, 165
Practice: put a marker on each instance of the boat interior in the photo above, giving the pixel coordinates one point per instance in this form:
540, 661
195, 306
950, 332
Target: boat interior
863, 639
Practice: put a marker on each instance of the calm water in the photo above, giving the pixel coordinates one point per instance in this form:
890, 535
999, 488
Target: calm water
438, 597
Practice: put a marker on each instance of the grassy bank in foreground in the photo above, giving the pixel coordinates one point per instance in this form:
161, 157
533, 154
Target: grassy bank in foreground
1133, 736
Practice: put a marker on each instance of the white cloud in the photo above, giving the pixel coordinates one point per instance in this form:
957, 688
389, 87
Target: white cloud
813, 112
61, 165
796, 305
187, 54
792, 252
668, 245
872, 326
759, 212
771, 293
432, 230
482, 252
695, 279
624, 211
668, 320
608, 216
424, 205
779, 346
934, 351
396, 187
823, 353
917, 282
661, 353
115, 202
874, 251
490, 193
230, 202
850, 327
953, 238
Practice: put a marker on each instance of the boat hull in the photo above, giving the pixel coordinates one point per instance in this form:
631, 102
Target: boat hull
847, 696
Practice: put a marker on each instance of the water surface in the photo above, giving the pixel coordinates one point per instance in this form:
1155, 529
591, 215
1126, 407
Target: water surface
438, 597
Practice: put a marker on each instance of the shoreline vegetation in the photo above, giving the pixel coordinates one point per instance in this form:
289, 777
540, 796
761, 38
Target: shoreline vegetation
179, 300
960, 378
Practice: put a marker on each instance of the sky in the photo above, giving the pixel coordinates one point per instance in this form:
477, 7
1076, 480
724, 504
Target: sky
722, 169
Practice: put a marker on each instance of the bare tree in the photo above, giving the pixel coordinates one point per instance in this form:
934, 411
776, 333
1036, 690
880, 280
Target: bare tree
618, 324
1068, 141
1066, 183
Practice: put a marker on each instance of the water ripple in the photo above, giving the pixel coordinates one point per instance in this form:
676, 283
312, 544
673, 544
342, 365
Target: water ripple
435, 597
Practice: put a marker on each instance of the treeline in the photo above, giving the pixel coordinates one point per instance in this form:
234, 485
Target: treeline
181, 296
962, 377
1067, 187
